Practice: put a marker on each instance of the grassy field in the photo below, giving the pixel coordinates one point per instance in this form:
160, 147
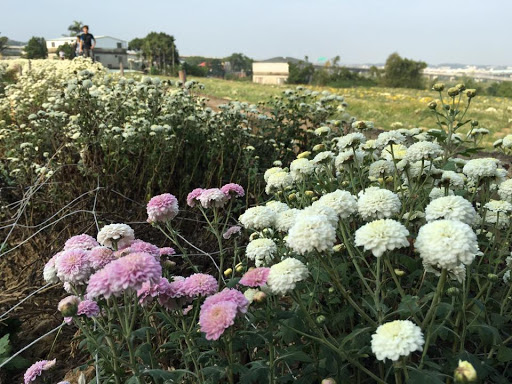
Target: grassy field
386, 107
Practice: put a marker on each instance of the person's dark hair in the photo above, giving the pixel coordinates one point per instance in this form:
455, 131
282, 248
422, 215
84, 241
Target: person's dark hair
85, 26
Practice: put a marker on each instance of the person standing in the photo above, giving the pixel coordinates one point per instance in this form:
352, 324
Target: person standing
87, 43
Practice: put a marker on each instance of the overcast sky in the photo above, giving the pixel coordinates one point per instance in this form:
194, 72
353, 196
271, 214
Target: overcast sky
360, 31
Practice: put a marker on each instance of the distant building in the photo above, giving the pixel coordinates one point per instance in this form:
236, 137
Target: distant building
272, 71
109, 51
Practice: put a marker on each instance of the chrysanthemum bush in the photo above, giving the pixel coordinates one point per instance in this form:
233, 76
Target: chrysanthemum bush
368, 260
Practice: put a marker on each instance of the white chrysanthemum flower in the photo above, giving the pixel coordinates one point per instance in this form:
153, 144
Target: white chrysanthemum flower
271, 171
451, 208
285, 219
499, 206
436, 193
277, 206
262, 251
389, 138
325, 130
323, 158
447, 243
396, 339
453, 179
258, 218
382, 235
376, 203
477, 168
342, 202
423, 150
121, 234
284, 276
278, 181
498, 213
347, 156
417, 168
368, 146
381, 168
506, 277
50, 271
314, 210
505, 190
299, 168
397, 151
311, 233
507, 141
351, 140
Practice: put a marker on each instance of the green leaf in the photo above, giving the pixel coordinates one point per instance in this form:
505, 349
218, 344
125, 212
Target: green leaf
144, 352
504, 354
168, 375
141, 333
295, 356
424, 377
5, 348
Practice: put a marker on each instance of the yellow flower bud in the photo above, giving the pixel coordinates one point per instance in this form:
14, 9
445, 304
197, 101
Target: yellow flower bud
465, 372
432, 105
399, 272
470, 93
329, 380
309, 193
453, 91
239, 267
228, 272
303, 155
338, 247
292, 196
319, 148
260, 297
439, 87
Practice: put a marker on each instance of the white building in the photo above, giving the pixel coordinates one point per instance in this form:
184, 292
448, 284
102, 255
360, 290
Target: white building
109, 51
273, 71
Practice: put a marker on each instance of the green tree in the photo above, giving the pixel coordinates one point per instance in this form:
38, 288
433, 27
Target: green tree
75, 28
136, 44
3, 43
36, 48
239, 62
403, 73
159, 49
69, 50
300, 73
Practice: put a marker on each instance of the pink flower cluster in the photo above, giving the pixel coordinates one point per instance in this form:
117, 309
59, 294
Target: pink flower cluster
88, 308
126, 273
162, 208
214, 197
82, 241
255, 277
166, 292
73, 266
219, 311
199, 284
37, 369
231, 231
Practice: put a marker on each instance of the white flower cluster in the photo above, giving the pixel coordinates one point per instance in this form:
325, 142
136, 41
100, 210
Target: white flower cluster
310, 233
451, 208
284, 276
396, 339
262, 251
382, 235
258, 218
376, 203
120, 234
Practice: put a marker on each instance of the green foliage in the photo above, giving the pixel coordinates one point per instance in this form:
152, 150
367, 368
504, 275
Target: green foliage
76, 28
195, 70
339, 77
300, 73
503, 89
239, 62
36, 48
159, 50
69, 51
3, 42
403, 73
5, 352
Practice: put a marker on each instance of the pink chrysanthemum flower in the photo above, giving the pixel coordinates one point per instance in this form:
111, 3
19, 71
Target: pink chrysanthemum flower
88, 308
193, 197
162, 208
37, 369
167, 251
100, 256
255, 277
149, 291
127, 273
143, 246
73, 266
171, 293
228, 294
213, 197
199, 284
83, 241
233, 189
231, 231
216, 318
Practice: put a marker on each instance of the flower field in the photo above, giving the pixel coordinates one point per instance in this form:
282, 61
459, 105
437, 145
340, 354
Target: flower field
286, 241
